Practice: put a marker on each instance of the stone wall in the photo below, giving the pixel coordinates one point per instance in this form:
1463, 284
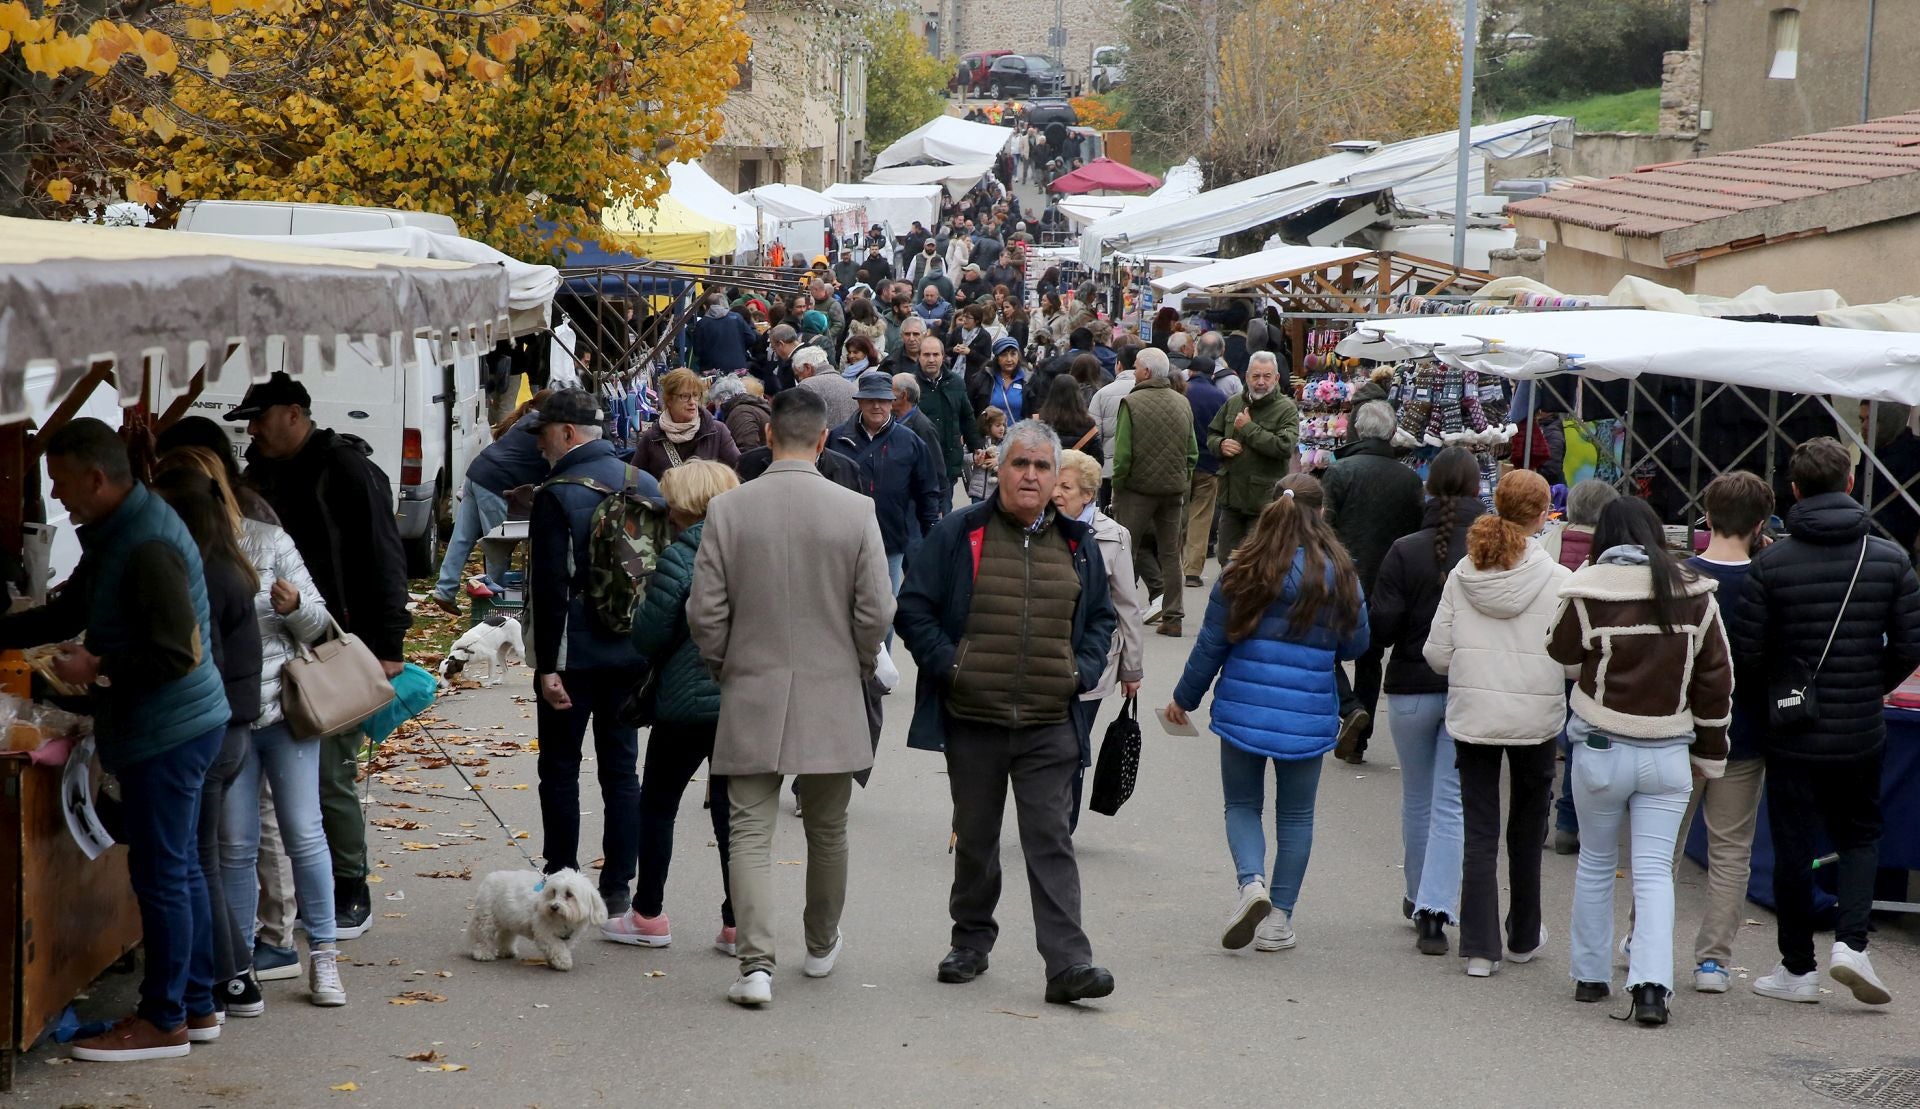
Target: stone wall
1680, 92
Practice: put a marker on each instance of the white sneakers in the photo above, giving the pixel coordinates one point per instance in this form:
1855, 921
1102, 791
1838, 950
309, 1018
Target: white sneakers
752, 988
1710, 977
1274, 933
1483, 968
1804, 988
324, 987
819, 966
1527, 956
1846, 966
1851, 969
1254, 908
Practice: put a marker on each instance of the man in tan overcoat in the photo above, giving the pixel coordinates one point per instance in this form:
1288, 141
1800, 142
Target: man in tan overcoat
797, 565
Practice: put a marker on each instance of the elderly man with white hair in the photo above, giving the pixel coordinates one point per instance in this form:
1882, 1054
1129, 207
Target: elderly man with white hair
1213, 345
813, 372
1155, 451
1372, 500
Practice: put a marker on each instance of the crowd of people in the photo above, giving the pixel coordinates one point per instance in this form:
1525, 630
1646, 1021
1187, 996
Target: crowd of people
1015, 526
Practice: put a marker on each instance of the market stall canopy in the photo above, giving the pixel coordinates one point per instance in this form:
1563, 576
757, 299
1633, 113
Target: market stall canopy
1104, 175
1638, 292
1237, 273
792, 203
1419, 172
75, 294
894, 207
691, 185
948, 140
956, 179
530, 287
1612, 344
1183, 181
669, 231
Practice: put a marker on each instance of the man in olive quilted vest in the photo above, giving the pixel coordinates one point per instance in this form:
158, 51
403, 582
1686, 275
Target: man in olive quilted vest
1005, 609
1154, 454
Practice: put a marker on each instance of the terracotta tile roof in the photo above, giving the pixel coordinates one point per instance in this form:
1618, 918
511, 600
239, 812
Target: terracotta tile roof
1777, 190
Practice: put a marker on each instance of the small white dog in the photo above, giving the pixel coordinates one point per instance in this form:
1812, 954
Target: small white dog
494, 641
552, 910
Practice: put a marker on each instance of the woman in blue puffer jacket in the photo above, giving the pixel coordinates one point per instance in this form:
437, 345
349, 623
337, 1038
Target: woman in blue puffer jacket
686, 713
1284, 614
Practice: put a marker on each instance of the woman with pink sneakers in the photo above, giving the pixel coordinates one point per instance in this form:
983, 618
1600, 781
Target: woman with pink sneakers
686, 713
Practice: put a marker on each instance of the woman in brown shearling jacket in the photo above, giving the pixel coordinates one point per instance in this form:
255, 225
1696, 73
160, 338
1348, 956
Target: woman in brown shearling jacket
1655, 683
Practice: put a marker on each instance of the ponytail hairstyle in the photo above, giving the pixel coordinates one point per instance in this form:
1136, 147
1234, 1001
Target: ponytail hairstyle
1631, 522
1451, 475
1499, 541
1257, 570
195, 498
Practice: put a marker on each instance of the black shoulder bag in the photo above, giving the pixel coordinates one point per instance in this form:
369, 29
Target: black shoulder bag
1792, 702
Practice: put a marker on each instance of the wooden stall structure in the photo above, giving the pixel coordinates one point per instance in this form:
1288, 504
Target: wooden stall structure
122, 307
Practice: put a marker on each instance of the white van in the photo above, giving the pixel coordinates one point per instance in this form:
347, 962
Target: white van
274, 217
424, 427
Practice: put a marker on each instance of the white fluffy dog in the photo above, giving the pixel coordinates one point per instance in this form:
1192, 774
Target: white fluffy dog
494, 641
552, 910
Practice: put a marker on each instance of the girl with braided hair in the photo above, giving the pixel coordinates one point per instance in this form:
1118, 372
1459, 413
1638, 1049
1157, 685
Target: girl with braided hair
1401, 607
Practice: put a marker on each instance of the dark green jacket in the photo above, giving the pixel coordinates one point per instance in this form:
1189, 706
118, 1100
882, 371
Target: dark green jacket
687, 692
1154, 448
946, 405
1015, 665
1267, 445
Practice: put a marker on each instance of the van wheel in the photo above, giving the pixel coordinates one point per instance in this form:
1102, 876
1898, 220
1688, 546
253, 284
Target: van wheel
423, 552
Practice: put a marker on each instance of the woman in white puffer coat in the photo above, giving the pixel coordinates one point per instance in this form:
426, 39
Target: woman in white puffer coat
292, 614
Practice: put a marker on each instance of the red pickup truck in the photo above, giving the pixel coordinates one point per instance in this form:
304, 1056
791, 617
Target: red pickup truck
970, 76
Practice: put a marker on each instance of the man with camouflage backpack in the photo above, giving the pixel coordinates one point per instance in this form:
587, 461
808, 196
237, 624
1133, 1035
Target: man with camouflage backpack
593, 514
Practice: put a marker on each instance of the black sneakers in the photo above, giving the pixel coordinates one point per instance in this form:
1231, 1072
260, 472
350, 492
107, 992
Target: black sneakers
1590, 991
352, 908
1433, 933
240, 996
1650, 1003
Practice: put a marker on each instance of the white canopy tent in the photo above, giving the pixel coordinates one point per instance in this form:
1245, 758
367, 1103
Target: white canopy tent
1235, 272
949, 140
956, 179
894, 207
690, 184
795, 215
1419, 171
1612, 345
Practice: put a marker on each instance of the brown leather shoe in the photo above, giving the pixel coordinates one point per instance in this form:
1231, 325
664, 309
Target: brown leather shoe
204, 1029
1169, 627
131, 1040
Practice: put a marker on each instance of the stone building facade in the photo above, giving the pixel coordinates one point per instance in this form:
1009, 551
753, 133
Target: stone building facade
799, 114
954, 27
1759, 71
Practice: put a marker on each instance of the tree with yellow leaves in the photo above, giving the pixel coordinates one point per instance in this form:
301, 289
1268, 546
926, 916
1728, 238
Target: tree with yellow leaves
518, 118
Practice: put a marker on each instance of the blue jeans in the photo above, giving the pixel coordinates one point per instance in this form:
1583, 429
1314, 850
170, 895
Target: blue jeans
160, 799
292, 768
1431, 827
896, 569
1650, 782
480, 511
1564, 817
1296, 782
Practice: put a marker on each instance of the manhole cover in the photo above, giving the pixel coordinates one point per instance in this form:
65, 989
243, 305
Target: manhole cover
1888, 1087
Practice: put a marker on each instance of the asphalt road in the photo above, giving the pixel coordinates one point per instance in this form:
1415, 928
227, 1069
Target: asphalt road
1352, 1016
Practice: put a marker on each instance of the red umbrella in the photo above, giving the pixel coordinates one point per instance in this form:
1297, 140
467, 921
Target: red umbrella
1104, 175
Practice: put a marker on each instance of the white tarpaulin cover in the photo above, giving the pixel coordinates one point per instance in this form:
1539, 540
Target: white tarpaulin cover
956, 179
1236, 272
785, 203
949, 140
690, 184
894, 207
530, 287
72, 294
1609, 344
1419, 171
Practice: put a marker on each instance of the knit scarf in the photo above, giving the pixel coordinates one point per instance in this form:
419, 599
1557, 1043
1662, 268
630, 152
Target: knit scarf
679, 432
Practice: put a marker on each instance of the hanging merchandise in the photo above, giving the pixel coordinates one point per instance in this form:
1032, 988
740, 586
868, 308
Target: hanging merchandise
1324, 396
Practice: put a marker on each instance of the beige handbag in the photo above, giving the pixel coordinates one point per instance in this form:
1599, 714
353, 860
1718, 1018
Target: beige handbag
332, 686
